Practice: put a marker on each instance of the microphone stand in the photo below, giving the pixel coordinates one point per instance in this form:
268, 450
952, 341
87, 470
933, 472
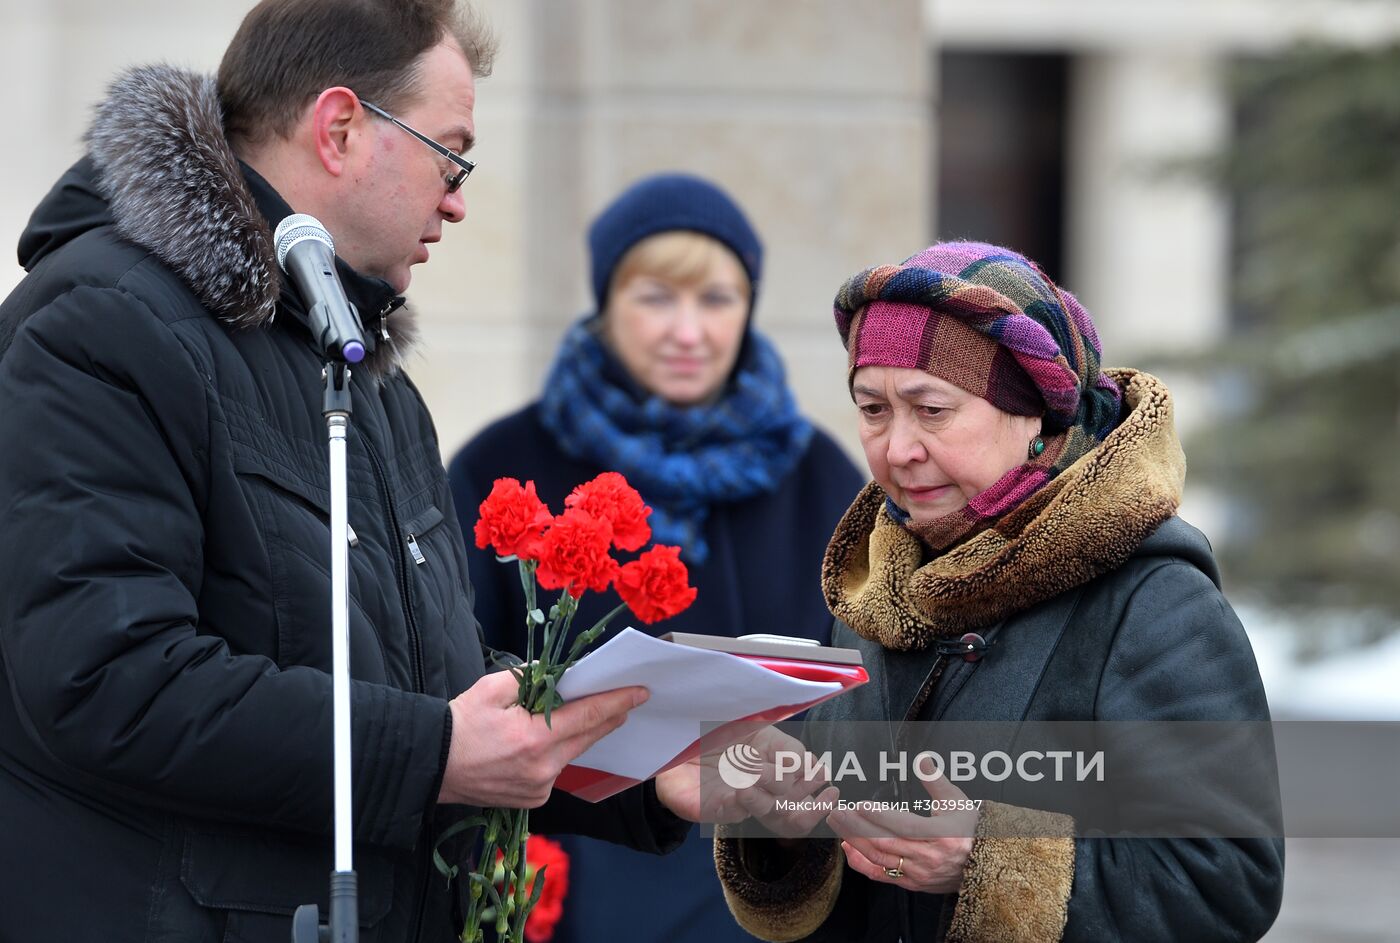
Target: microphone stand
344, 921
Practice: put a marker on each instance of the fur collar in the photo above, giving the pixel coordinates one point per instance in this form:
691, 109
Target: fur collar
1084, 523
176, 189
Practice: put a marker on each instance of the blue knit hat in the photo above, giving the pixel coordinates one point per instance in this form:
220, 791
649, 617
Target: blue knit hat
663, 203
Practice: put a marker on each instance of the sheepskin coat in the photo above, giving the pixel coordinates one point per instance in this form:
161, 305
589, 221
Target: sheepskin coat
1097, 603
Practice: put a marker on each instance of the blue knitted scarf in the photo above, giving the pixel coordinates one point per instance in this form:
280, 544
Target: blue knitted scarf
681, 459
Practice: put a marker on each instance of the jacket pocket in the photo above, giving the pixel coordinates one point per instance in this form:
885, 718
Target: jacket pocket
257, 873
292, 510
292, 471
432, 554
416, 531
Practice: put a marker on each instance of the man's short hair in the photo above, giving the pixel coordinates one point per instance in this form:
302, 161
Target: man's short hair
286, 52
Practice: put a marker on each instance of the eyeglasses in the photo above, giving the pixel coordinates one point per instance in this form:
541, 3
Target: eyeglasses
464, 166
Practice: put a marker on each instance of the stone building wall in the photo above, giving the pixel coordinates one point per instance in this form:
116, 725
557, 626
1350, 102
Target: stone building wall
815, 113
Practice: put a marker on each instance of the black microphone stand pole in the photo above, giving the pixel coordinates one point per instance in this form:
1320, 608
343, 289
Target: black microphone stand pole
344, 921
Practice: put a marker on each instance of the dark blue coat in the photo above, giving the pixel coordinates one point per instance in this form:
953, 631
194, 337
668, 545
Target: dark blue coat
762, 575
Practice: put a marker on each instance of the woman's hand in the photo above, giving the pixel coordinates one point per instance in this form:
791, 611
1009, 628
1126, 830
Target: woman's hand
916, 852
787, 803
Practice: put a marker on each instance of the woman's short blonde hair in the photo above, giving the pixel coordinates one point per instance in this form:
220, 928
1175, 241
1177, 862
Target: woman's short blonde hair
677, 256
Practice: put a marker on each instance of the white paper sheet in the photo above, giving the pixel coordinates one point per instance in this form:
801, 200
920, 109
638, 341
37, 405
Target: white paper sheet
689, 687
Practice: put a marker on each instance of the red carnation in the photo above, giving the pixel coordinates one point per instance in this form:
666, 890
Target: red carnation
654, 585
610, 497
573, 554
540, 851
512, 519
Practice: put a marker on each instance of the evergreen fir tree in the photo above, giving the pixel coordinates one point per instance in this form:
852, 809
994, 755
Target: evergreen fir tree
1308, 450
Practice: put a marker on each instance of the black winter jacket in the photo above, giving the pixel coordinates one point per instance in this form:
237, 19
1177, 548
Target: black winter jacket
165, 711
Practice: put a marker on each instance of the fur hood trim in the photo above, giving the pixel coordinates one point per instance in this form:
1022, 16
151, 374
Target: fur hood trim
176, 189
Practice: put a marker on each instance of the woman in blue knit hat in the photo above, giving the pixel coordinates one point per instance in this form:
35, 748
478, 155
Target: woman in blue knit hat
668, 382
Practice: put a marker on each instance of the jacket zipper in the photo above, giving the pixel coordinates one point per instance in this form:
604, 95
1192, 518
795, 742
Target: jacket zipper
384, 313
400, 568
415, 646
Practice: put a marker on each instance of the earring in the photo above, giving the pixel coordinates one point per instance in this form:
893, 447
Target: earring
1034, 450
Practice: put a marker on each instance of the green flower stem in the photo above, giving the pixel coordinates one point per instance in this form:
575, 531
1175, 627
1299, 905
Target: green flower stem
527, 582
511, 861
522, 913
507, 830
522, 875
588, 638
568, 606
471, 933
555, 631
516, 879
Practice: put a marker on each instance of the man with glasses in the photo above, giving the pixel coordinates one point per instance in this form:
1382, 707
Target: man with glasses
165, 708
460, 168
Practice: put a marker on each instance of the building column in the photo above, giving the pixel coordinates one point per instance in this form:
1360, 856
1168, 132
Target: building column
1148, 238
1148, 233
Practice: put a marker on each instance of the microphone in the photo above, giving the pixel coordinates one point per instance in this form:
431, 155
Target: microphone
305, 252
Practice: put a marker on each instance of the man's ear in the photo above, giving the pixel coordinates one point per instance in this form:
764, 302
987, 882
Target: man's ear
337, 128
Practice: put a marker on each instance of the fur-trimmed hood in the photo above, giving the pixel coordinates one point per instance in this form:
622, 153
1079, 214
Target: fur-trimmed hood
1082, 524
164, 174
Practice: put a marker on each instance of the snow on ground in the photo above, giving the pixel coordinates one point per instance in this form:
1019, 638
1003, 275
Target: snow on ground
1356, 682
1336, 890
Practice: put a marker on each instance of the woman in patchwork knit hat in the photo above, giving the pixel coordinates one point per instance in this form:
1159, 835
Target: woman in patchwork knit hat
668, 382
1017, 558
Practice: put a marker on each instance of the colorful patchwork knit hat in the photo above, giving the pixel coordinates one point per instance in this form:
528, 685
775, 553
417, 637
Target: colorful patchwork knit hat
988, 320
985, 319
